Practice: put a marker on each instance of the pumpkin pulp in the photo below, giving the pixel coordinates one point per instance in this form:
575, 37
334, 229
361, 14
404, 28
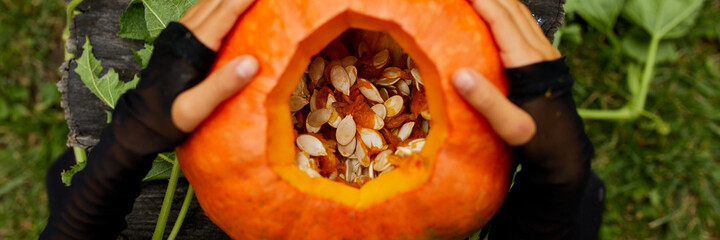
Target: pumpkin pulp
339, 135
389, 184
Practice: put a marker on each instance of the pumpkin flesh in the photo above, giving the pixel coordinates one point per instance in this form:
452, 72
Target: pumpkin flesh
240, 160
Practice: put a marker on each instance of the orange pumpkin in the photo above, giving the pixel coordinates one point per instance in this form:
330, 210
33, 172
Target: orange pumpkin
240, 161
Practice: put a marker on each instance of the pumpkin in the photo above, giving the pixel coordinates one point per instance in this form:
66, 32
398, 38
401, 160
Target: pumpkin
240, 160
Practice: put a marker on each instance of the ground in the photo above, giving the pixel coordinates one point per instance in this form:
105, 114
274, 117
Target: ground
658, 186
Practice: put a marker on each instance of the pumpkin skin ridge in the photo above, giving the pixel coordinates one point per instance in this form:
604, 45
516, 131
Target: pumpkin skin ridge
227, 191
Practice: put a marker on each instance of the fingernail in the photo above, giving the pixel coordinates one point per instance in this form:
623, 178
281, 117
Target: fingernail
246, 67
463, 80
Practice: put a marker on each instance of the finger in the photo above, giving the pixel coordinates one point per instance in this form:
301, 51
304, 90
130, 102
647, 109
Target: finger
522, 21
512, 124
549, 52
198, 12
214, 19
515, 49
191, 107
192, 12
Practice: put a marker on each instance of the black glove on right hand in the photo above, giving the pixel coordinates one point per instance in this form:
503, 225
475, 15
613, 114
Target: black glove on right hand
545, 200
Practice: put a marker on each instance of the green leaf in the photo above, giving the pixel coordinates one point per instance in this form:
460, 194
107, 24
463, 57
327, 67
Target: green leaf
572, 33
636, 46
66, 176
711, 65
108, 87
132, 22
162, 167
601, 14
4, 109
142, 56
159, 13
663, 18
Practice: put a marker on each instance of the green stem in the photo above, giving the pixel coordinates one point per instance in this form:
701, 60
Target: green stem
636, 106
68, 20
660, 125
614, 114
167, 202
80, 154
166, 158
183, 212
614, 40
638, 100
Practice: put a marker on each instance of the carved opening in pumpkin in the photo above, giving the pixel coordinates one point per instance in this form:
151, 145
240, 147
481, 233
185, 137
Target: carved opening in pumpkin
359, 110
282, 146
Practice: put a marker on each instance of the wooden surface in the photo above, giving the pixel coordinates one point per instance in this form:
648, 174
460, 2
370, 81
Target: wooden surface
86, 115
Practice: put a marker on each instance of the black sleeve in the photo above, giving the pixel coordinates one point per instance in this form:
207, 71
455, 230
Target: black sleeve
100, 196
545, 200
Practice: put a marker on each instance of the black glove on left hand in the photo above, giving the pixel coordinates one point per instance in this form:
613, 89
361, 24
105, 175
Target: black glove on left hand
95, 205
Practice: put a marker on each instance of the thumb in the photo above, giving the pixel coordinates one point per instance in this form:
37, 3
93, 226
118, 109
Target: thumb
191, 107
511, 123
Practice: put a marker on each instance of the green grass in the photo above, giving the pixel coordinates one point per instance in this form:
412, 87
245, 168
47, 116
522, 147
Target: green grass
32, 127
662, 187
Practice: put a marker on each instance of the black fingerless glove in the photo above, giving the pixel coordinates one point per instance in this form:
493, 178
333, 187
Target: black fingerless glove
95, 205
545, 200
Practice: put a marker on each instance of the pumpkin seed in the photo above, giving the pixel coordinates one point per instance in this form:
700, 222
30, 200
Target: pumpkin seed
330, 101
362, 49
330, 66
371, 172
384, 94
349, 61
301, 89
361, 153
310, 172
317, 68
335, 119
405, 130
416, 75
380, 110
352, 74
297, 103
369, 90
302, 160
349, 149
426, 115
425, 127
345, 130
393, 105
382, 162
319, 117
385, 82
381, 59
416, 145
403, 151
371, 138
313, 100
378, 123
340, 80
403, 88
311, 145
393, 72
309, 128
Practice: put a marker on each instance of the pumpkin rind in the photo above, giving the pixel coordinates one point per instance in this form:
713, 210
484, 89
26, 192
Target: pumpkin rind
239, 160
